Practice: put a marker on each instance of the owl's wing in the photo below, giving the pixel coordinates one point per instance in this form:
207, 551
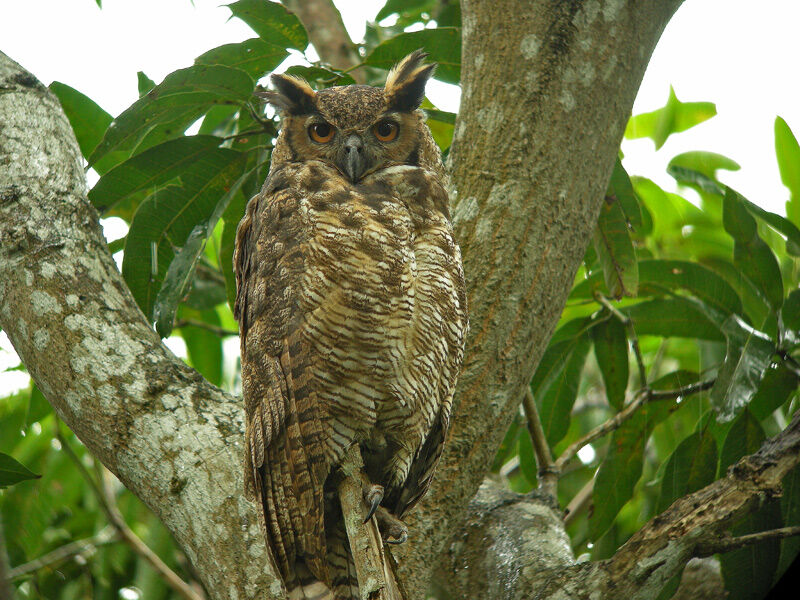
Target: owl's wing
285, 464
452, 335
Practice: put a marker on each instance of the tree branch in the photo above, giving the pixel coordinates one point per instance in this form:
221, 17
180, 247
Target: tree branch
539, 79
106, 500
727, 543
327, 33
107, 535
547, 471
642, 397
169, 436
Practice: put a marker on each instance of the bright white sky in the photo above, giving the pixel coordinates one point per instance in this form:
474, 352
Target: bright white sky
741, 55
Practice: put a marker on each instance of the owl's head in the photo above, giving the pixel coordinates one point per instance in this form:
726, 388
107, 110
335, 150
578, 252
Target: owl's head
357, 128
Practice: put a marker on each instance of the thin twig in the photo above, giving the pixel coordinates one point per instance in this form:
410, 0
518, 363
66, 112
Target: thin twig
548, 474
5, 573
215, 329
577, 505
106, 499
728, 543
634, 339
107, 535
641, 398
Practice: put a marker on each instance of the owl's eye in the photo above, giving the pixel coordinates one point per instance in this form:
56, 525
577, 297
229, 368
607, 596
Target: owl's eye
321, 133
386, 131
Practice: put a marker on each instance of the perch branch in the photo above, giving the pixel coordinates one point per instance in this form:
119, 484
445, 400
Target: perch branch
106, 500
376, 580
579, 502
547, 472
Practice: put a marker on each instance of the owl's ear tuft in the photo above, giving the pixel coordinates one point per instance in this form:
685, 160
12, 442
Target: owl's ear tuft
405, 85
291, 95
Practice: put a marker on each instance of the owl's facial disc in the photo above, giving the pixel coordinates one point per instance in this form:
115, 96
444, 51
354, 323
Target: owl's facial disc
352, 157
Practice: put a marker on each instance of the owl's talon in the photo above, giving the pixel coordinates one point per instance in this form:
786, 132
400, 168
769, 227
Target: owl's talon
393, 530
401, 540
373, 495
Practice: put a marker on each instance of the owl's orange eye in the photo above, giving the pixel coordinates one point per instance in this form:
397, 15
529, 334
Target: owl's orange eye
386, 131
321, 133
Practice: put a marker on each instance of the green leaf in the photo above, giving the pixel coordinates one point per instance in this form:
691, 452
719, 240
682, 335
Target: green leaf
787, 151
88, 120
658, 276
692, 466
555, 385
170, 107
790, 511
38, 407
180, 273
748, 354
612, 242
617, 477
272, 23
12, 472
145, 84
621, 468
791, 311
776, 387
611, 351
165, 219
442, 44
621, 189
254, 56
750, 253
707, 163
672, 317
674, 117
527, 460
748, 572
509, 445
155, 167
231, 218
402, 7
778, 223
744, 437
204, 348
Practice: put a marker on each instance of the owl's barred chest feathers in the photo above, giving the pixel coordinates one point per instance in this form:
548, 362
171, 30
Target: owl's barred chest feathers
379, 291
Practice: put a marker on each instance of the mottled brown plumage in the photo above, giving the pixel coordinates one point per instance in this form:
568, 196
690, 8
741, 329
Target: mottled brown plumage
352, 311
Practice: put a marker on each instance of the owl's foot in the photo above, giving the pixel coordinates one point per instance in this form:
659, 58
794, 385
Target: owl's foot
373, 495
393, 530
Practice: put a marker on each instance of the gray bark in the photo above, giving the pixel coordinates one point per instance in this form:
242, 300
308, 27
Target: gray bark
547, 89
172, 438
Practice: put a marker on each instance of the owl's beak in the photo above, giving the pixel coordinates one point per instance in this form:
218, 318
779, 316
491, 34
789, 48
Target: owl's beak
352, 160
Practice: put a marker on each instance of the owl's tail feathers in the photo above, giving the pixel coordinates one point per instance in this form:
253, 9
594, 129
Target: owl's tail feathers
340, 563
310, 587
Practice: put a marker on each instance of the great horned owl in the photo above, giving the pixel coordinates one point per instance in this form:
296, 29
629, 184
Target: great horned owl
352, 311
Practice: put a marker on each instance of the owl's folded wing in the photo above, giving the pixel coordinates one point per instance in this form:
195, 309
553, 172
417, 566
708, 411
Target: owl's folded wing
285, 464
